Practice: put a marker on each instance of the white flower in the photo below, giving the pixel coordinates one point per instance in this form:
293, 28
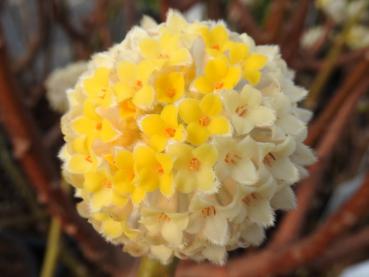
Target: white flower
236, 159
59, 81
358, 37
246, 110
279, 163
311, 36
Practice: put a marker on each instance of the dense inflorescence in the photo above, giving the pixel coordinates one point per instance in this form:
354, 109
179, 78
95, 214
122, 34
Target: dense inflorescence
184, 139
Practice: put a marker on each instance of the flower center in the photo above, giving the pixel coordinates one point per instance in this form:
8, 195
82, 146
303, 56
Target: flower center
171, 93
194, 164
164, 217
248, 199
232, 158
208, 211
98, 126
218, 85
88, 159
204, 121
241, 110
128, 106
102, 93
160, 169
138, 85
215, 46
269, 159
170, 132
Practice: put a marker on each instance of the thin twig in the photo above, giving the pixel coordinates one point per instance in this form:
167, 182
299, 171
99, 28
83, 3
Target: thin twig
52, 250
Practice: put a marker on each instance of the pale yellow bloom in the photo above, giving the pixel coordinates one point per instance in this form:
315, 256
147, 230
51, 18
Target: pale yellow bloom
184, 139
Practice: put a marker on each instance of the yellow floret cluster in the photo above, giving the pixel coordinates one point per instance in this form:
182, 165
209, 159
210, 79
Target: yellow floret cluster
183, 139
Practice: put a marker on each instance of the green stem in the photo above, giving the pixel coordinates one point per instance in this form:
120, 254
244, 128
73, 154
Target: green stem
52, 251
153, 268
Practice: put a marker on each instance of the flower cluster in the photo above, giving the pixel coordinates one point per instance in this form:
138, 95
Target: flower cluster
353, 12
184, 139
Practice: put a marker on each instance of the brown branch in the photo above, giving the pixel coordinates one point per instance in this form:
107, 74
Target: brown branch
315, 64
183, 5
37, 39
319, 125
164, 7
276, 18
240, 14
291, 40
352, 243
78, 38
214, 9
292, 223
25, 140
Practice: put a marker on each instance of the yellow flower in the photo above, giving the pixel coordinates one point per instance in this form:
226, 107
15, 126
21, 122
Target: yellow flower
153, 171
170, 87
218, 74
203, 118
167, 50
197, 163
93, 125
252, 66
97, 87
161, 128
124, 172
133, 83
215, 38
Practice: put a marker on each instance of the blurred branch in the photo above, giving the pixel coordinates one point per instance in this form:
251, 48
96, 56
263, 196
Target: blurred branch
328, 66
38, 168
352, 243
291, 40
319, 125
275, 18
52, 250
98, 20
240, 14
291, 224
77, 37
37, 40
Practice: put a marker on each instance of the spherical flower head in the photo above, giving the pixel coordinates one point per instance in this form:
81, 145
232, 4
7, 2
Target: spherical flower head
184, 139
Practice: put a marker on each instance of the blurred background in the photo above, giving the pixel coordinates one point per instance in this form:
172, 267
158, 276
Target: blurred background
43, 48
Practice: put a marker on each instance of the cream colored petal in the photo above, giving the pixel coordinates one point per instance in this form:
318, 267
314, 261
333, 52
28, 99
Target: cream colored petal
245, 172
284, 199
252, 95
215, 254
284, 169
242, 125
253, 234
261, 116
162, 253
171, 233
303, 155
291, 124
216, 229
261, 213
